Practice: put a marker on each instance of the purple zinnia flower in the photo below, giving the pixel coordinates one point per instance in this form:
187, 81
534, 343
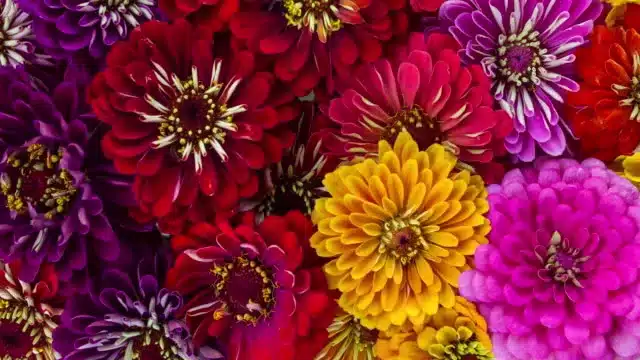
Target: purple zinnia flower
67, 27
17, 41
53, 178
559, 277
526, 47
129, 315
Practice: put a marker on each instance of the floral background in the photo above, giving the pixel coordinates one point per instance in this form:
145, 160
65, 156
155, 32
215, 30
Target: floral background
319, 179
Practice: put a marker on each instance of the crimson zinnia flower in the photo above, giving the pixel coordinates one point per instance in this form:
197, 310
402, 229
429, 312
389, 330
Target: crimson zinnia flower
424, 91
311, 39
254, 288
192, 123
605, 112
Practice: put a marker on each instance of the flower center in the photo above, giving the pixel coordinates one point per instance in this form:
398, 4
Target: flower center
197, 118
364, 338
33, 178
22, 333
248, 288
563, 263
402, 239
631, 92
520, 58
149, 349
424, 130
466, 350
290, 195
319, 16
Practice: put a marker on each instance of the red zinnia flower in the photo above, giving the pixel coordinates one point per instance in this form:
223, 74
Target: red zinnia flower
192, 128
605, 113
312, 39
213, 14
426, 92
257, 289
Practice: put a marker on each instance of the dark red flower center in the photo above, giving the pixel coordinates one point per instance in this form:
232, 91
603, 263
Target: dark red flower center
13, 341
33, 177
562, 264
519, 58
424, 130
150, 352
247, 286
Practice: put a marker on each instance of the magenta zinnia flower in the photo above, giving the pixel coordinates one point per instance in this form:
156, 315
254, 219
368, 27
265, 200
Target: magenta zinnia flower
558, 278
527, 47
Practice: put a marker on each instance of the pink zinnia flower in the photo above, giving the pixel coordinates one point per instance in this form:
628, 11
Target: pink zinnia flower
559, 277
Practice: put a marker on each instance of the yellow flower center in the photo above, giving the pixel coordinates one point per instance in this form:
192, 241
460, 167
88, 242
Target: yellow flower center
318, 16
402, 239
458, 344
33, 178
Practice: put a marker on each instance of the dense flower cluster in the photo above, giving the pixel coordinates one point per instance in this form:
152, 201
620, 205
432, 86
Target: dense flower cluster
319, 179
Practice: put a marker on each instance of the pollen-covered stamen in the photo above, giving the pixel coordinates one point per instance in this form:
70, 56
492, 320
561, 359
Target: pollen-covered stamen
16, 37
403, 239
247, 287
424, 130
319, 16
631, 92
563, 263
120, 12
520, 58
34, 177
197, 116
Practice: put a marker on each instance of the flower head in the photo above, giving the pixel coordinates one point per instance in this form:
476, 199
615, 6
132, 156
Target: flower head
29, 312
458, 333
313, 39
128, 316
17, 41
558, 276
605, 113
399, 229
425, 92
249, 286
192, 128
348, 340
53, 179
69, 27
527, 47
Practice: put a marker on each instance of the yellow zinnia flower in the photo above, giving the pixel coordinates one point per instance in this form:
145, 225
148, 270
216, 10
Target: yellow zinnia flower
618, 8
628, 167
348, 340
452, 334
401, 228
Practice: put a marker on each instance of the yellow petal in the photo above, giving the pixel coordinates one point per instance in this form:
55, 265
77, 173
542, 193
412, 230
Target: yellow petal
389, 296
372, 229
428, 302
361, 219
366, 248
384, 147
336, 246
448, 273
396, 190
330, 268
461, 232
365, 301
410, 173
439, 193
416, 197
466, 210
426, 177
379, 281
459, 188
347, 261
376, 211
398, 274
354, 236
426, 337
468, 247
347, 283
447, 297
390, 159
340, 224
464, 333
437, 351
365, 285
364, 266
389, 205
414, 279
324, 226
447, 335
377, 189
424, 270
443, 239
455, 259
358, 187
336, 207
353, 203
390, 267
431, 215
398, 317
412, 308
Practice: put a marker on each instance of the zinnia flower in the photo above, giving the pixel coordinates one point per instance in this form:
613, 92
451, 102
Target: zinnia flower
605, 113
128, 316
192, 128
559, 274
55, 185
399, 229
29, 312
310, 40
348, 340
69, 27
459, 333
426, 93
17, 44
527, 47
249, 286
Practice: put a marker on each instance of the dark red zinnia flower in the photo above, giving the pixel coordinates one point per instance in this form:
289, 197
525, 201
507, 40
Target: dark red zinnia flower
310, 40
423, 90
191, 121
256, 288
213, 14
605, 112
